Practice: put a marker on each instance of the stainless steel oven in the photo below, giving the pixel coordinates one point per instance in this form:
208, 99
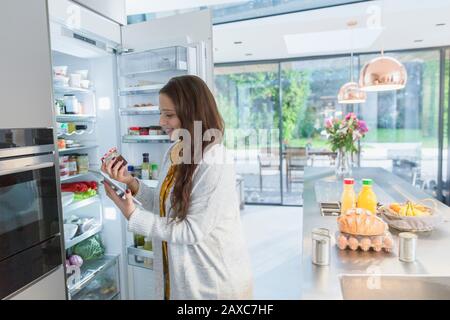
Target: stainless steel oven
30, 244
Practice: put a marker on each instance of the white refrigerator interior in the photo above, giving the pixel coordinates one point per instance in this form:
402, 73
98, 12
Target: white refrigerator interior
104, 89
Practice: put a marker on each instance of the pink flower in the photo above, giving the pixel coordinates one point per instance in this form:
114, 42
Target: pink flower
362, 126
350, 115
328, 123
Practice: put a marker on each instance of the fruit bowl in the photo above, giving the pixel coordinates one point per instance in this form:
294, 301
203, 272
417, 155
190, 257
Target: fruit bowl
410, 217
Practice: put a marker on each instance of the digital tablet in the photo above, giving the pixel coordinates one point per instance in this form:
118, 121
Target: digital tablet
117, 187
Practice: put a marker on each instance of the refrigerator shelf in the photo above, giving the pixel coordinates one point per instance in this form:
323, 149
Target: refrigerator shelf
75, 118
75, 205
153, 110
69, 244
140, 258
149, 89
146, 139
90, 270
67, 89
69, 178
166, 72
70, 150
152, 183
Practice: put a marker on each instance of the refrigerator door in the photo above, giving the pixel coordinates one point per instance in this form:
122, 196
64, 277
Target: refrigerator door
192, 30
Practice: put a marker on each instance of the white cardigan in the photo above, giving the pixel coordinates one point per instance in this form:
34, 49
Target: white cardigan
208, 257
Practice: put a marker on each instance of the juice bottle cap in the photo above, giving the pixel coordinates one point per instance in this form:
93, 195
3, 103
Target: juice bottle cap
367, 182
349, 181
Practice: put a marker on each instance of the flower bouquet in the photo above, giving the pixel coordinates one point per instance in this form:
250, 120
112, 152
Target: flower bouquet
343, 136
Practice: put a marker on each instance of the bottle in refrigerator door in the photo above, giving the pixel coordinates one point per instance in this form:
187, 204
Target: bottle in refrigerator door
145, 171
139, 242
148, 262
154, 171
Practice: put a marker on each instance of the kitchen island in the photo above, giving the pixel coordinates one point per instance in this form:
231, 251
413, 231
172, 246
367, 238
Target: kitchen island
322, 282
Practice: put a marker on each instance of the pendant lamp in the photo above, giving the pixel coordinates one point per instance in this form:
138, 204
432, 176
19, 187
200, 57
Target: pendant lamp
383, 74
350, 92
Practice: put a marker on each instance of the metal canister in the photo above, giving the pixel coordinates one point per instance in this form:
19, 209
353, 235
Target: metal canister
407, 246
321, 243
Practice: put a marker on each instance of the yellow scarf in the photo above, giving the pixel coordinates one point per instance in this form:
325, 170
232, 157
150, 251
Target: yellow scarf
165, 190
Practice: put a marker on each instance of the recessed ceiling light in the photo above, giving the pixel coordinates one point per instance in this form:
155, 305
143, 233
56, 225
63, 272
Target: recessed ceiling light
249, 54
440, 24
238, 42
418, 40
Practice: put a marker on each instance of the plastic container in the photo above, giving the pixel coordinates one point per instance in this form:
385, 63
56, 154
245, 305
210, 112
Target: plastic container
61, 144
348, 197
365, 243
71, 103
367, 198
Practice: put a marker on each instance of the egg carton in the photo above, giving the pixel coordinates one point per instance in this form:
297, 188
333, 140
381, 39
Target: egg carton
376, 243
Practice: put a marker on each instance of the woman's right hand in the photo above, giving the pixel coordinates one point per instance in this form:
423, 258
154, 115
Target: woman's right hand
118, 172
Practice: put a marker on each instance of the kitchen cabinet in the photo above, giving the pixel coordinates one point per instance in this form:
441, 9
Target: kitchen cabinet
26, 79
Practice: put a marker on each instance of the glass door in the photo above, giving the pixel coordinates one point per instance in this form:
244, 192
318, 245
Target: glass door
248, 99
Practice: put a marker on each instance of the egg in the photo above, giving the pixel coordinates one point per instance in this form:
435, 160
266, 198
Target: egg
388, 243
342, 242
353, 243
377, 244
366, 244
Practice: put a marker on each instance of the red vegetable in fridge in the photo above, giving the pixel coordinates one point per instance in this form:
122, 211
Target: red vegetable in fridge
76, 260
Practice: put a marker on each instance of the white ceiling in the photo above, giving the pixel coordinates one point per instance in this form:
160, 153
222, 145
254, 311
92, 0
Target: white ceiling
325, 31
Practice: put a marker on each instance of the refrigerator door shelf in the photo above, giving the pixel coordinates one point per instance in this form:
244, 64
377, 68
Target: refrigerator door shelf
140, 258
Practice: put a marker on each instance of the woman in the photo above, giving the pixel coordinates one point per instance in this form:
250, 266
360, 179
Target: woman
193, 215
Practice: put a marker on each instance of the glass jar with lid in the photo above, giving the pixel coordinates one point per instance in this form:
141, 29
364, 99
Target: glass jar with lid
83, 163
73, 168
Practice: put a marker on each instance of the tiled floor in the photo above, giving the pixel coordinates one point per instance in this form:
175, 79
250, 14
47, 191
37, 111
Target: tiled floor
273, 236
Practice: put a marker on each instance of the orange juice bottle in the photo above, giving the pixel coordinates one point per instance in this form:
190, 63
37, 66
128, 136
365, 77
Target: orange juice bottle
348, 198
367, 198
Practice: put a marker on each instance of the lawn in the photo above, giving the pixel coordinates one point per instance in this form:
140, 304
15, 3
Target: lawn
377, 136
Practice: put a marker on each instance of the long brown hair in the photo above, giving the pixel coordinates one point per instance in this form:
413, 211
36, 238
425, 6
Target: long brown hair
193, 102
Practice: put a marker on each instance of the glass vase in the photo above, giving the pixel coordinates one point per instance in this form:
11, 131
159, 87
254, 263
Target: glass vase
343, 163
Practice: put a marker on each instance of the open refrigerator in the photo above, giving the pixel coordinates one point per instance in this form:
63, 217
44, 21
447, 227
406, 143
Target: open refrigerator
106, 83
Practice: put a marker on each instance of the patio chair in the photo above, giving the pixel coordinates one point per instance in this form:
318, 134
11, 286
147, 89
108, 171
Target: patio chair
296, 161
269, 160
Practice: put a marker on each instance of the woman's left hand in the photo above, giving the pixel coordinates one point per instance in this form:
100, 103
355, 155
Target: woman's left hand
125, 205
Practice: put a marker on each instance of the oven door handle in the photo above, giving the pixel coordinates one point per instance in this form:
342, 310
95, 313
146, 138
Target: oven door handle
26, 168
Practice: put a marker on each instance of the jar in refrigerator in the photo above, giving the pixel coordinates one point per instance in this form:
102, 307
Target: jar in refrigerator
73, 168
154, 130
133, 131
64, 166
143, 131
83, 163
